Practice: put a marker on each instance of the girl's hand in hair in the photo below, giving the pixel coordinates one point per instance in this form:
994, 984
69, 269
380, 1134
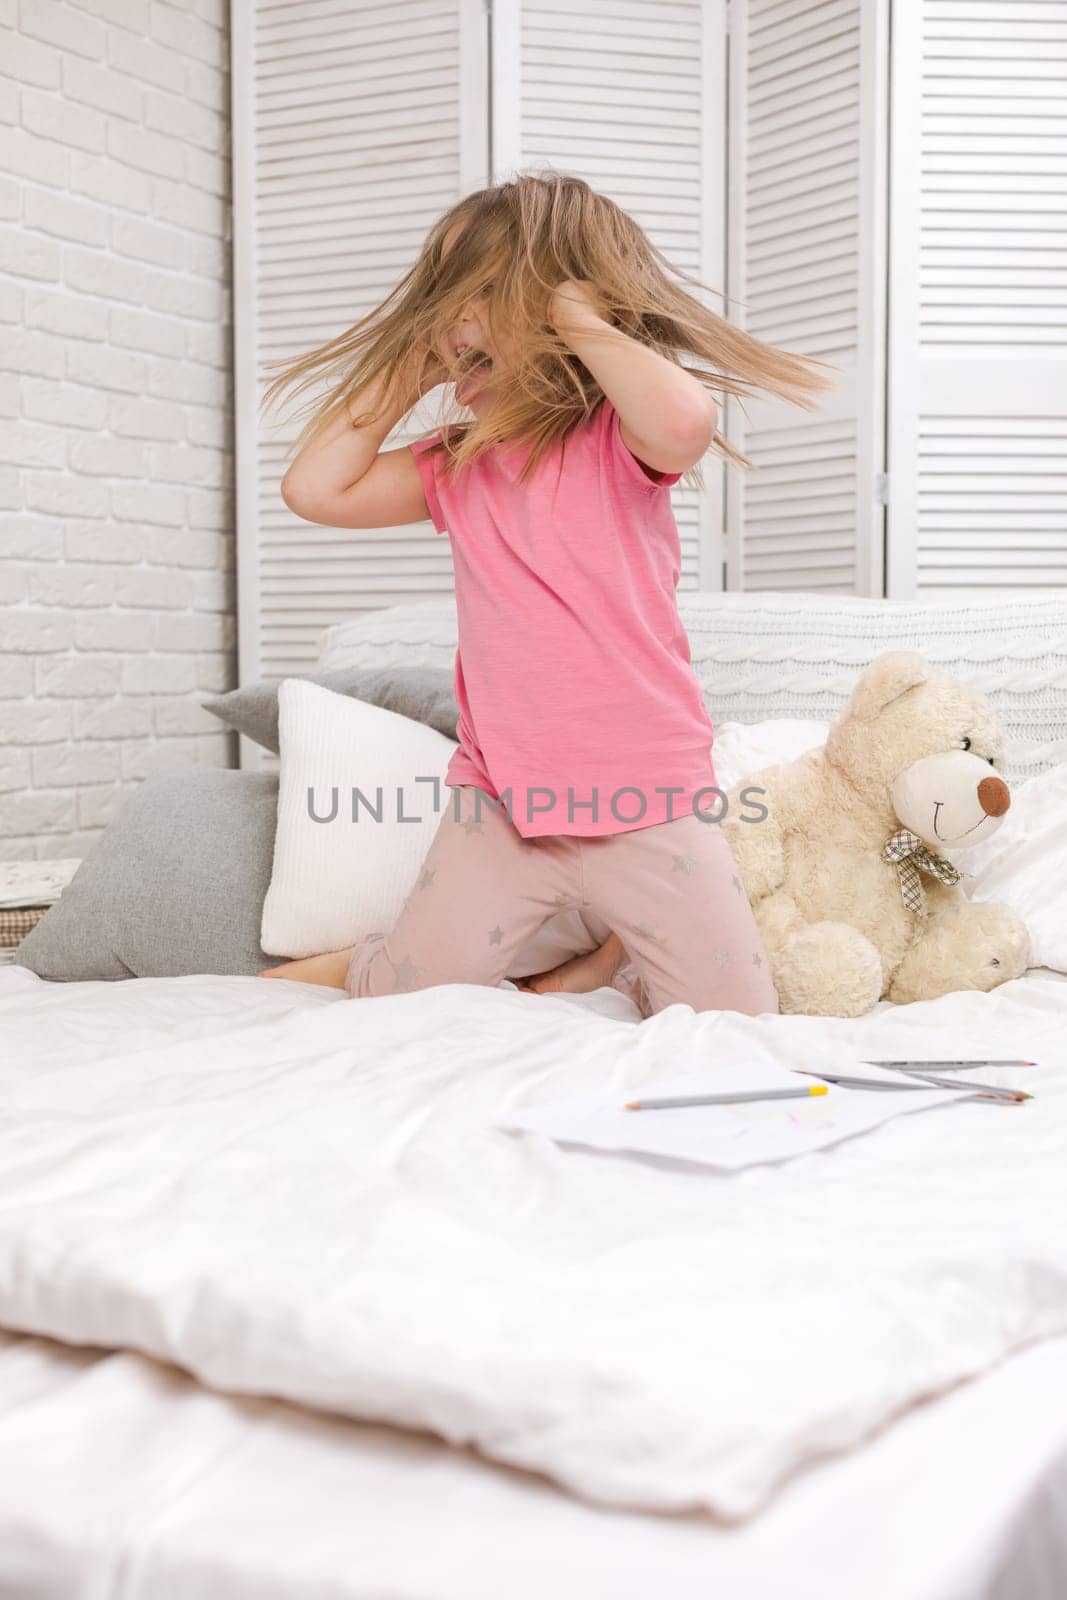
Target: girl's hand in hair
575, 305
420, 371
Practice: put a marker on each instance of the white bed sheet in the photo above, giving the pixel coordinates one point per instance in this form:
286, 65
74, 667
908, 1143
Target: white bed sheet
119, 1476
123, 1477
288, 1195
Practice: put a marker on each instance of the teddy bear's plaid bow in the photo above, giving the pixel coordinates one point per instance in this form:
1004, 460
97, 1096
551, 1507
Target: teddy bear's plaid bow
912, 856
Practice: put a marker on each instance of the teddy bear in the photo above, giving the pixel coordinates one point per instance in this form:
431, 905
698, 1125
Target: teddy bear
846, 874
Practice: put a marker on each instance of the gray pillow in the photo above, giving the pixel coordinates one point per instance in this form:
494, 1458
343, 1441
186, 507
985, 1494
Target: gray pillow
425, 694
174, 885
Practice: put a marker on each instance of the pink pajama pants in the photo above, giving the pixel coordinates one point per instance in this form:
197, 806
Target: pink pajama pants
670, 892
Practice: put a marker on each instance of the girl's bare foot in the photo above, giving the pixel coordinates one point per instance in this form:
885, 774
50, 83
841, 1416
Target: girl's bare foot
581, 974
330, 969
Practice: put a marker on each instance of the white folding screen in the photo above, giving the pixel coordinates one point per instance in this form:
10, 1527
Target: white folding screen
978, 298
629, 95
355, 126
807, 87
750, 139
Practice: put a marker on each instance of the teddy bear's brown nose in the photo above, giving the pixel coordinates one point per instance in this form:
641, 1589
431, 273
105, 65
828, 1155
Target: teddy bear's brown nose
994, 797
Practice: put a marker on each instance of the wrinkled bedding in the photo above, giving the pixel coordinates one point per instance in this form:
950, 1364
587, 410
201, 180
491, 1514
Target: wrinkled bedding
289, 1194
120, 1476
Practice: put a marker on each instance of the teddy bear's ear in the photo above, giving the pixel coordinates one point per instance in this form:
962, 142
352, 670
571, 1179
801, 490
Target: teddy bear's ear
885, 680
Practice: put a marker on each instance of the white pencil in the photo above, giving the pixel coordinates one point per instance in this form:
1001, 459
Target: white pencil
742, 1097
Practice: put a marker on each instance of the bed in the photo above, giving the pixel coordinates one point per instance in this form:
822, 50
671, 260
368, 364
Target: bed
144, 1449
287, 1311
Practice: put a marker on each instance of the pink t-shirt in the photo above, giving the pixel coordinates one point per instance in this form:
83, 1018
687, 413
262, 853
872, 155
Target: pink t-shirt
578, 703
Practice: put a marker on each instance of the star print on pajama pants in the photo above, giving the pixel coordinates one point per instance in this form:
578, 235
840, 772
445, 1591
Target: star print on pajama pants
670, 891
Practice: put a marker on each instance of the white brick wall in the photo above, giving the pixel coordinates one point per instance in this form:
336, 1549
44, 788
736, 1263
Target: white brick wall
116, 494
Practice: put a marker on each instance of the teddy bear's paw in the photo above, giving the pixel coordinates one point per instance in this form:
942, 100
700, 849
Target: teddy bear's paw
974, 945
828, 969
757, 853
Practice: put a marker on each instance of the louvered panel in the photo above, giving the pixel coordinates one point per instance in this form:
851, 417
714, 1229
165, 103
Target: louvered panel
978, 381
355, 126
801, 173
807, 231
315, 577
687, 516
992, 503
628, 94
993, 174
800, 508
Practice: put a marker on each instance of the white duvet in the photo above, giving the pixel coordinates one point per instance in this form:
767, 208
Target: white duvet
290, 1193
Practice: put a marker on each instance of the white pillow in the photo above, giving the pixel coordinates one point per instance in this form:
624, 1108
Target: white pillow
742, 748
1024, 865
335, 882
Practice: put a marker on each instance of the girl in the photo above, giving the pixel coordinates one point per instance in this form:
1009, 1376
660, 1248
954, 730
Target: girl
583, 775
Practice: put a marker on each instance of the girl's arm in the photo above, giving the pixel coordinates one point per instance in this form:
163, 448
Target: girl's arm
668, 419
343, 479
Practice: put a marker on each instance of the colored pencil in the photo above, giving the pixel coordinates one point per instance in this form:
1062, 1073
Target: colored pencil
988, 1091
843, 1080
920, 1080
953, 1066
671, 1102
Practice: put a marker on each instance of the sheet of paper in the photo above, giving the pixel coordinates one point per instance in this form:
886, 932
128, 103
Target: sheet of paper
730, 1136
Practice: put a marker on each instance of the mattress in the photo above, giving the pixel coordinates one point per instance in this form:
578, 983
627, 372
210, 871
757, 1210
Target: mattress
123, 1477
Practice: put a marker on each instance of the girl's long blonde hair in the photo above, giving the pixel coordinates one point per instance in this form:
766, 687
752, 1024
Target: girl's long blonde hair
519, 240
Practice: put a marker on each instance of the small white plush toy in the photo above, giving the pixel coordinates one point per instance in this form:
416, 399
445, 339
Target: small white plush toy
848, 874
